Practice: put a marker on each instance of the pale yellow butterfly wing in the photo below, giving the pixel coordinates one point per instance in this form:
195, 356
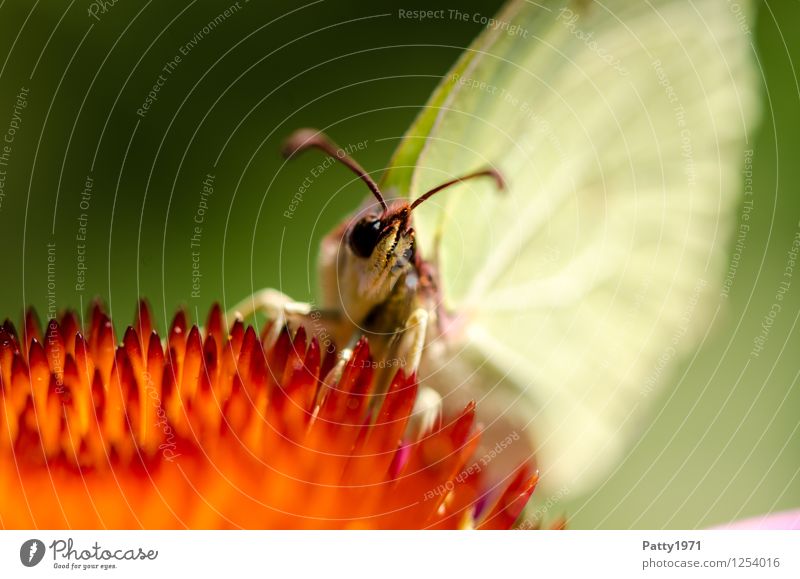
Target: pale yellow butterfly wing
621, 129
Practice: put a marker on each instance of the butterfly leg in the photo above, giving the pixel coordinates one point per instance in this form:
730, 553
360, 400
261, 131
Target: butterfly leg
276, 305
412, 339
411, 344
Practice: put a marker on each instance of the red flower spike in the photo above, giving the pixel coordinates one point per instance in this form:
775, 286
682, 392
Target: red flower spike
214, 324
102, 347
192, 365
39, 371
31, 328
8, 347
236, 336
143, 323
243, 362
69, 328
223, 430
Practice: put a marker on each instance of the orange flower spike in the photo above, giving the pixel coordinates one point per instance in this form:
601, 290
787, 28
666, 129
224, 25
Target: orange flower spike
152, 400
433, 461
82, 385
115, 418
302, 378
236, 404
8, 347
295, 356
176, 341
39, 372
17, 393
71, 401
102, 346
511, 502
207, 416
171, 401
175, 389
84, 362
443, 450
457, 504
229, 353
192, 365
260, 433
264, 374
136, 357
96, 444
266, 366
341, 415
344, 403
244, 360
457, 508
368, 471
8, 412
48, 406
376, 449
20, 392
295, 399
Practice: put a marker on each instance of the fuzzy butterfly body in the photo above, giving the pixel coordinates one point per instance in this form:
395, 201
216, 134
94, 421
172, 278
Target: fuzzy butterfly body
619, 129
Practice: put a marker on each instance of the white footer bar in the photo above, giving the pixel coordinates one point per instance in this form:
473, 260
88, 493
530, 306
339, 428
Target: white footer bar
412, 554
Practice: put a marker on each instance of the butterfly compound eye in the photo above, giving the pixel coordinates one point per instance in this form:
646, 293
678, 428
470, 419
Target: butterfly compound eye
364, 236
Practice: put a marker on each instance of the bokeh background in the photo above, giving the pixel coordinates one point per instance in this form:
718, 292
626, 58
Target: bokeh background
722, 442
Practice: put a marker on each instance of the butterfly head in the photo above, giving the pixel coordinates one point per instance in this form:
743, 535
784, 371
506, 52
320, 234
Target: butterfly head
380, 249
364, 260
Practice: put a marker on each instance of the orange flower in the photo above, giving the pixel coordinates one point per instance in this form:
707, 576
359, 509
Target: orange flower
216, 430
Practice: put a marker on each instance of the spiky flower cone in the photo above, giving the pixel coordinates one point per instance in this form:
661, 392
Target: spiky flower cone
223, 430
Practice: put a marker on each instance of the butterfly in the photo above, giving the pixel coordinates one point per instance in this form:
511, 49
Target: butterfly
551, 233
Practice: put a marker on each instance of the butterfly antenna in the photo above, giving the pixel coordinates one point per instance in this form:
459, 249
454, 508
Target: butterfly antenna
304, 139
493, 173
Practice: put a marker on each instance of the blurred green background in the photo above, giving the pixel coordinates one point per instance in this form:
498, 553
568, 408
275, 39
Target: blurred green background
721, 444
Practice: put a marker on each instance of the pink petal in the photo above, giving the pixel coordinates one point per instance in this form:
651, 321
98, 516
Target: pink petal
787, 520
